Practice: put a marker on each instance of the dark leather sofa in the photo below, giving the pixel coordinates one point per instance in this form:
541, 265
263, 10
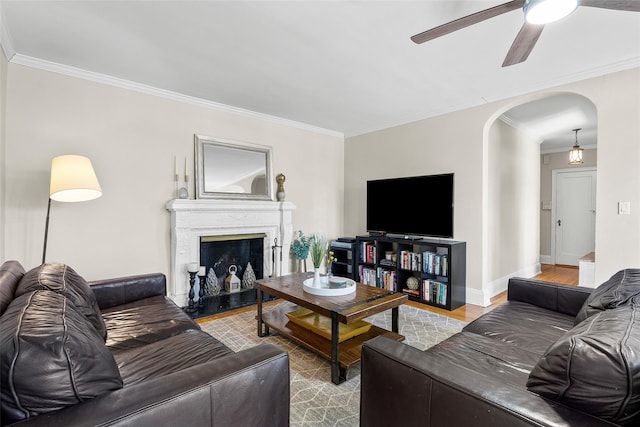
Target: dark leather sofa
118, 352
552, 355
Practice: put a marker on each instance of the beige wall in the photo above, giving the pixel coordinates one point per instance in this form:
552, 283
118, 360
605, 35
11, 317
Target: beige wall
3, 122
458, 142
513, 198
431, 146
555, 161
132, 139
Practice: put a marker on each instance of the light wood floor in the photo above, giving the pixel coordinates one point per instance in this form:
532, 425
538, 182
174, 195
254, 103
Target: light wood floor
567, 275
551, 273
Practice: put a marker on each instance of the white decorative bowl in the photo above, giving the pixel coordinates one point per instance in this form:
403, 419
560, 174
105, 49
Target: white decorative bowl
326, 289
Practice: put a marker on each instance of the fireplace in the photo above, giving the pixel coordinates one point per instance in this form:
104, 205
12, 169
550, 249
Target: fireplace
242, 251
207, 221
231, 264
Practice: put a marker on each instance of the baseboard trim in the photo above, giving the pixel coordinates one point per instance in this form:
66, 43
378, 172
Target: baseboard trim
498, 286
546, 259
477, 297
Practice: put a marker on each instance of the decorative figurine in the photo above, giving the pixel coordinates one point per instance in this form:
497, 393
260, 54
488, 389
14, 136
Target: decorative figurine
413, 283
232, 282
248, 277
280, 195
213, 287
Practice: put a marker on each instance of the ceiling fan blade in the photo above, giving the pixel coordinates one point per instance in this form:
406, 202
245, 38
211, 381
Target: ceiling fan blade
628, 5
466, 21
523, 44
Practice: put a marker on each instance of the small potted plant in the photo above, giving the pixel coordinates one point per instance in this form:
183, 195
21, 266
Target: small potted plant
300, 248
318, 251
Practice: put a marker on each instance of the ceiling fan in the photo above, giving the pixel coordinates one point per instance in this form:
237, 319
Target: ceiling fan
536, 13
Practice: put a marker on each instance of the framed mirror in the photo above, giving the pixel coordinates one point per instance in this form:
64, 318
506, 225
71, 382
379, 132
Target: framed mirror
228, 169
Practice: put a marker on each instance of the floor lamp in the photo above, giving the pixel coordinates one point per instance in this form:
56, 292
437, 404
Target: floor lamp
72, 180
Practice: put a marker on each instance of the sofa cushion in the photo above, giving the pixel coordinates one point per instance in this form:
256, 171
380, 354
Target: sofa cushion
618, 290
145, 321
529, 327
51, 356
164, 357
64, 280
595, 367
10, 274
497, 361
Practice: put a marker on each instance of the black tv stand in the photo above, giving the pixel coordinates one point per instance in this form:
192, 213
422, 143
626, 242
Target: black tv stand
429, 271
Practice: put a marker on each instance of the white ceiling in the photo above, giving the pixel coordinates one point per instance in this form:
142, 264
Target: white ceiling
343, 66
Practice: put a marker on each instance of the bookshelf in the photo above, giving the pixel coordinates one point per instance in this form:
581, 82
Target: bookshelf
429, 271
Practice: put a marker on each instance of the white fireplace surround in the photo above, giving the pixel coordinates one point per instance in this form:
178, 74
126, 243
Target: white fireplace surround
192, 219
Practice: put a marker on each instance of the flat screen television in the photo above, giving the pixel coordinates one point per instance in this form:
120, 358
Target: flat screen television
411, 206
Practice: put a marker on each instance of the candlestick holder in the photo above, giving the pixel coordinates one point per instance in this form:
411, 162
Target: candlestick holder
192, 281
203, 280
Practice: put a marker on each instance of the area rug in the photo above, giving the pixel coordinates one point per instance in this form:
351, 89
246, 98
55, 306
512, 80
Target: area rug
315, 400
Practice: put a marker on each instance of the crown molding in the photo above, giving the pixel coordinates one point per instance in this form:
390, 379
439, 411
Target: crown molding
67, 70
541, 86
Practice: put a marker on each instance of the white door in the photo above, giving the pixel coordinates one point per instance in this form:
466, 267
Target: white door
575, 214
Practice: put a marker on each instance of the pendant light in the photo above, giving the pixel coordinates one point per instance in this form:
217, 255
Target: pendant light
575, 154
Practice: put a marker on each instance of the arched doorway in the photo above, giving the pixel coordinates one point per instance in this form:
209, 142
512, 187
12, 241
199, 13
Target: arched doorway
531, 142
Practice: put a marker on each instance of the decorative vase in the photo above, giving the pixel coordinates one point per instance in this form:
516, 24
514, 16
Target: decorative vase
316, 278
280, 194
302, 265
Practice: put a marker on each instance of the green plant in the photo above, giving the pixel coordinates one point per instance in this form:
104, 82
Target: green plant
318, 249
300, 246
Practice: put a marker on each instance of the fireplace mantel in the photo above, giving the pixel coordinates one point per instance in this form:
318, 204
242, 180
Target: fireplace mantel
192, 219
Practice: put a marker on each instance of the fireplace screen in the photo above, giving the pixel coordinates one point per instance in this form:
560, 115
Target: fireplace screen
242, 255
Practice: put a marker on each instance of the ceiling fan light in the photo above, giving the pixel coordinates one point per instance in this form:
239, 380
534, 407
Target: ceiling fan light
545, 11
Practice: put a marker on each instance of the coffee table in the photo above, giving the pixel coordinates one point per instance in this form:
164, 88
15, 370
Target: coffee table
364, 302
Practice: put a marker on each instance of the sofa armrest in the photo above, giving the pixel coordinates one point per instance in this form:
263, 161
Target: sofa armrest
248, 388
122, 290
402, 385
566, 299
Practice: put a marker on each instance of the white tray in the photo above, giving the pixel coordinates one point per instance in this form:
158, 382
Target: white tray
328, 291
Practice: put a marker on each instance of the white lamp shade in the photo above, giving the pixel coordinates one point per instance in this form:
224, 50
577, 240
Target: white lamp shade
73, 179
545, 11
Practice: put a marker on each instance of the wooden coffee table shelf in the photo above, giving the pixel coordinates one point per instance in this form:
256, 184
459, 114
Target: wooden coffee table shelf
364, 302
349, 350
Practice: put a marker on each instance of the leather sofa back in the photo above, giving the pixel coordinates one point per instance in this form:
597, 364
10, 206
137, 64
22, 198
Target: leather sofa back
10, 274
563, 299
114, 292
